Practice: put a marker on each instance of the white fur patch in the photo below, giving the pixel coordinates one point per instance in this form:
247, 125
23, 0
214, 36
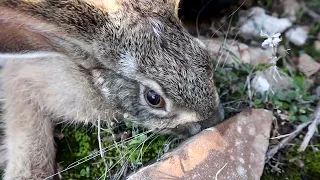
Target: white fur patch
185, 117
127, 64
35, 55
106, 91
28, 55
99, 81
157, 27
188, 117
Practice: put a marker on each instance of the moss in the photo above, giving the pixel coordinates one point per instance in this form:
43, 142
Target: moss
312, 163
292, 171
291, 176
80, 143
311, 160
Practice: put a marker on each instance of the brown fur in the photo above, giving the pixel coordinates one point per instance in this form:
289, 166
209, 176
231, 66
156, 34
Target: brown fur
81, 61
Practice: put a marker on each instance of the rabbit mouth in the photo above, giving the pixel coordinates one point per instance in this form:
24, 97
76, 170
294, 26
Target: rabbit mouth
183, 131
193, 128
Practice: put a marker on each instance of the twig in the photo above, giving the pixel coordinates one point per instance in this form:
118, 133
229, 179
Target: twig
315, 16
311, 129
282, 136
220, 171
285, 141
275, 168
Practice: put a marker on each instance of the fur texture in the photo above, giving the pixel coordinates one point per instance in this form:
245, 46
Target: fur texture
80, 61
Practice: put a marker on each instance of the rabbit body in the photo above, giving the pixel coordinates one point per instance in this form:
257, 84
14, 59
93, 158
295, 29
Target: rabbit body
80, 61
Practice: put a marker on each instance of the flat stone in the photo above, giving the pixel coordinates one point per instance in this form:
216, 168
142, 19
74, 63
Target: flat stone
255, 20
232, 52
298, 35
259, 56
308, 65
263, 81
228, 52
290, 8
234, 149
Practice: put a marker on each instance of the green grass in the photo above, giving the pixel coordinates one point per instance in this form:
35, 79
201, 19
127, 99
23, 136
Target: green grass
313, 3
80, 143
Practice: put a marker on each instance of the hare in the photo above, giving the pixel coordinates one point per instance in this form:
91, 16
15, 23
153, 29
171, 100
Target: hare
80, 61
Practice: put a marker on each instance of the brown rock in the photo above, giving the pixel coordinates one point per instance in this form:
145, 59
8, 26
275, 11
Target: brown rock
264, 80
308, 65
259, 56
232, 52
298, 35
234, 149
290, 8
255, 19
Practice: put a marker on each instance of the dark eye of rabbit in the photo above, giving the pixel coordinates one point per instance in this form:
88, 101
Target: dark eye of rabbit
154, 99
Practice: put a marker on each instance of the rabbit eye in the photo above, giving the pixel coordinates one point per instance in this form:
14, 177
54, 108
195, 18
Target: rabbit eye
154, 99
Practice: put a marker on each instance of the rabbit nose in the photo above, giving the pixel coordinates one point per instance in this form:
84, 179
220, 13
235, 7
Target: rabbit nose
194, 128
221, 113
187, 130
190, 129
216, 117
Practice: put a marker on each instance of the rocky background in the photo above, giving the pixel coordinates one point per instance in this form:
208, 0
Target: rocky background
283, 77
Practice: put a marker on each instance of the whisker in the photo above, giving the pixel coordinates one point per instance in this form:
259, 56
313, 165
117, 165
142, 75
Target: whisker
132, 151
100, 146
122, 171
153, 140
94, 155
119, 174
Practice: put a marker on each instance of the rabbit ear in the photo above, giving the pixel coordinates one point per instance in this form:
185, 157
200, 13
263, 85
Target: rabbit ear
20, 32
42, 25
174, 4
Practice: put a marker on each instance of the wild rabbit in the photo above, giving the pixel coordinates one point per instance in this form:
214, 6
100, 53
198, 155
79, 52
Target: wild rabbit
81, 61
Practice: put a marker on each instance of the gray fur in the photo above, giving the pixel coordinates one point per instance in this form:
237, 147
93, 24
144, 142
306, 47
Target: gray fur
79, 61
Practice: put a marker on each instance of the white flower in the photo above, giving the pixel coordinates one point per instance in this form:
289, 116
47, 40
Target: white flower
274, 72
272, 40
274, 59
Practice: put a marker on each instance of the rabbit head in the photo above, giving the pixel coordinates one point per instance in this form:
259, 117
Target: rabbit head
151, 69
161, 75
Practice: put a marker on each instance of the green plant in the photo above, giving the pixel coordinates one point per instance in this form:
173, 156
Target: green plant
313, 3
297, 102
80, 149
